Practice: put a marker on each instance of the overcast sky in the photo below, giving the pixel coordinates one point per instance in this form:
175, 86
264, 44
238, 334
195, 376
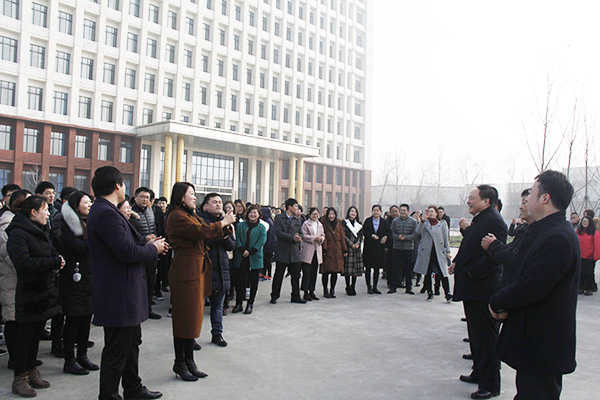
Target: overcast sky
462, 78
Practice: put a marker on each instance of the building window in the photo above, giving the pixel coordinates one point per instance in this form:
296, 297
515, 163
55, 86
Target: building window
204, 63
104, 145
170, 53
81, 182
111, 36
8, 49
224, 7
65, 22
188, 56
132, 42
81, 146
221, 69
250, 47
7, 93
251, 18
63, 62
34, 98
38, 56
40, 14
114, 4
60, 102
31, 140
243, 179
148, 116
206, 32
274, 112
149, 83
57, 143
58, 179
125, 155
85, 107
212, 170
130, 78
145, 165
168, 89
87, 68
219, 99
221, 37
10, 8
190, 25
108, 75
106, 111
153, 13
233, 102
128, 115
89, 30
151, 47
203, 95
134, 8
187, 91
172, 19
6, 137
236, 42
235, 72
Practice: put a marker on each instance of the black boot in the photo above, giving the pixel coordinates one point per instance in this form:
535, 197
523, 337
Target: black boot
85, 362
73, 367
369, 289
375, 290
180, 368
326, 294
238, 308
193, 369
248, 309
332, 293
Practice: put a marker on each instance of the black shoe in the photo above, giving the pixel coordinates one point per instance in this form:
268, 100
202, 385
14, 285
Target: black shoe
423, 290
467, 379
463, 319
153, 315
332, 293
326, 294
307, 297
197, 346
85, 362
352, 291
58, 349
466, 340
588, 293
313, 296
238, 308
73, 367
391, 291
298, 299
181, 369
274, 300
409, 292
45, 335
248, 309
191, 366
437, 292
145, 394
158, 295
484, 394
467, 356
375, 290
430, 297
369, 290
218, 340
90, 344
449, 298
164, 288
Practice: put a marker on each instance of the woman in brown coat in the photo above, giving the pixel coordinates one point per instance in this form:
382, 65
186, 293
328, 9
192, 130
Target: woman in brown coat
334, 251
190, 273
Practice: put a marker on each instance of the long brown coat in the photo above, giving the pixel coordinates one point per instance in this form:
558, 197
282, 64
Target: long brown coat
333, 248
190, 273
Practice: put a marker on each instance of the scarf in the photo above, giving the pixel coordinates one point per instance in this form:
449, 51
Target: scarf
354, 226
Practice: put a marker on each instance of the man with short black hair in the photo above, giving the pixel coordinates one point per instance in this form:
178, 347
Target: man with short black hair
538, 306
575, 220
404, 232
47, 191
118, 255
287, 254
477, 276
7, 191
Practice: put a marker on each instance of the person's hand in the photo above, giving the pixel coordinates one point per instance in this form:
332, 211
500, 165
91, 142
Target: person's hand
500, 317
356, 246
297, 238
246, 253
150, 237
487, 240
228, 219
401, 237
517, 221
160, 245
62, 262
464, 223
384, 239
375, 237
451, 268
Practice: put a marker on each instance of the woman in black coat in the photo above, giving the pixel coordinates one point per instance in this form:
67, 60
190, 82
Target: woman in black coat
374, 248
75, 286
35, 261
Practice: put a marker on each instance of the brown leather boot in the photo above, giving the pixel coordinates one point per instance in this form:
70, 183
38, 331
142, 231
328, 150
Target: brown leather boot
35, 379
21, 386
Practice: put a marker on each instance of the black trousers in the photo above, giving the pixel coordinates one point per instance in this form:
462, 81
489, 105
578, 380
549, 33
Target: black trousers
587, 281
162, 274
538, 387
309, 274
10, 335
150, 279
401, 269
77, 330
267, 262
242, 280
56, 327
26, 345
120, 358
280, 268
483, 336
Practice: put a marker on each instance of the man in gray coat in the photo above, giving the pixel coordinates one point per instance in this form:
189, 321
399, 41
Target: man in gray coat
287, 254
404, 232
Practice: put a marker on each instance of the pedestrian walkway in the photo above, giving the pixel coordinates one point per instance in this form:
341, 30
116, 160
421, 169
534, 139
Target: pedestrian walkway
389, 346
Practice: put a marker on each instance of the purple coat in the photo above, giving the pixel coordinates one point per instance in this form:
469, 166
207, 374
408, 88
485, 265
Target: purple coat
117, 256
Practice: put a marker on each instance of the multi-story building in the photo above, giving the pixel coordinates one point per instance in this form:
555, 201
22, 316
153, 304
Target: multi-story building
256, 99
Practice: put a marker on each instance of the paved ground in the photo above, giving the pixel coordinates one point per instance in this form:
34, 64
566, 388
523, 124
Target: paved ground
364, 347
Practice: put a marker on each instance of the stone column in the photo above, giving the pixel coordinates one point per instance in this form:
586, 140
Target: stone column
292, 178
179, 160
300, 182
168, 165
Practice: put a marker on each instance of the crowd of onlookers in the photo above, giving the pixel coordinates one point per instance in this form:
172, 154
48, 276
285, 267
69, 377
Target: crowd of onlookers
47, 273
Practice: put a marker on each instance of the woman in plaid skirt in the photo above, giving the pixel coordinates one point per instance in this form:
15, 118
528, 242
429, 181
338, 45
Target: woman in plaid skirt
353, 264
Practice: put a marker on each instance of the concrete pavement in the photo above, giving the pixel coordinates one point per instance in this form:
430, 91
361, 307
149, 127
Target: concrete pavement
389, 346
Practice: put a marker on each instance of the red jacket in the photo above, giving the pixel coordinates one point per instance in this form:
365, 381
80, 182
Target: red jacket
590, 246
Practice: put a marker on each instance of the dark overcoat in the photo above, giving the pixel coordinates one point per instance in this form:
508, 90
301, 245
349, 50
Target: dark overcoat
334, 248
477, 276
374, 251
541, 300
271, 239
191, 269
35, 260
118, 256
221, 277
287, 250
75, 297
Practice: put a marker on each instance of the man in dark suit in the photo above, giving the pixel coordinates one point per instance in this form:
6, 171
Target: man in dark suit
120, 302
477, 276
538, 306
287, 254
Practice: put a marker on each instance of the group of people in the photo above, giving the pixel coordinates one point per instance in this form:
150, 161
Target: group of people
108, 258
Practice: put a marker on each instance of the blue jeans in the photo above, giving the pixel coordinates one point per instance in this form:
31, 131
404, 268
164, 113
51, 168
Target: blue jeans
216, 312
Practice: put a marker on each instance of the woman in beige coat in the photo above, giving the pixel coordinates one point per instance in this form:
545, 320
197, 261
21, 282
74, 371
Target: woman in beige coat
334, 251
311, 252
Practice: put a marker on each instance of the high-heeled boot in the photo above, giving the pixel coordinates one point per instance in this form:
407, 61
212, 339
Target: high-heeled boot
191, 366
181, 369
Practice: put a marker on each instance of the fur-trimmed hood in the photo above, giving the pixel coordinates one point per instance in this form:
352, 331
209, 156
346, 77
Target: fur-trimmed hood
72, 220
